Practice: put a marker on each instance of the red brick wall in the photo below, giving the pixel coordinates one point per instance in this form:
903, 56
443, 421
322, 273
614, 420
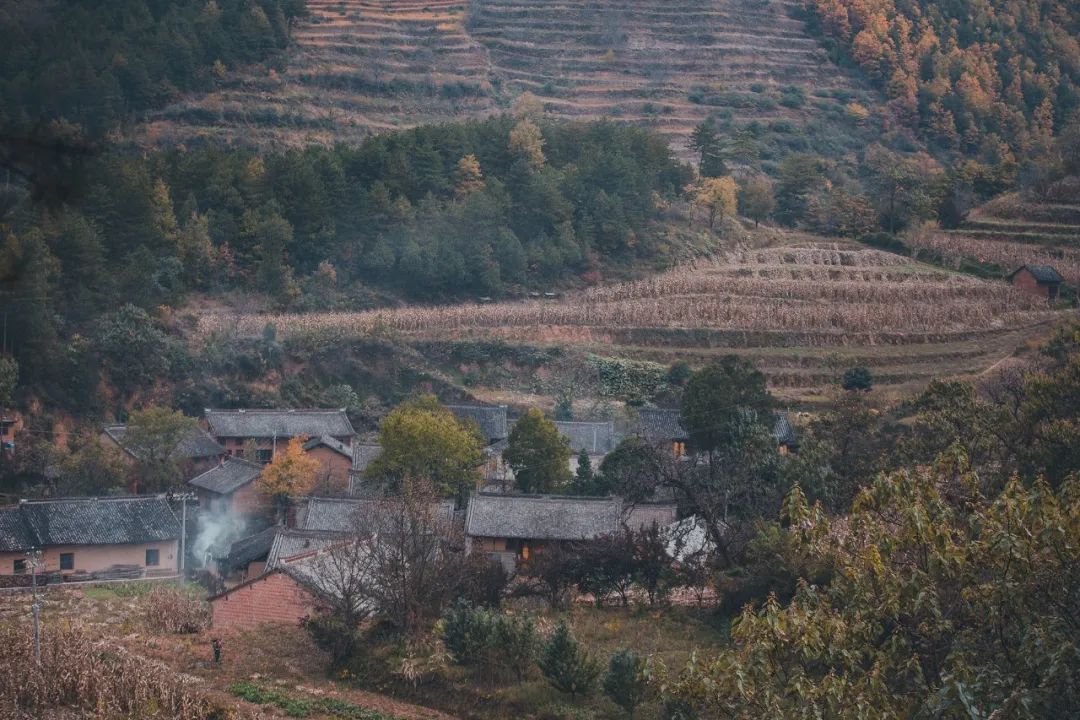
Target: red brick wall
1027, 282
272, 598
249, 501
333, 477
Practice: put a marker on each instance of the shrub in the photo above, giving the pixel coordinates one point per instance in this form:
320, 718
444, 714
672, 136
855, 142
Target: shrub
516, 643
624, 681
468, 633
566, 665
857, 378
169, 609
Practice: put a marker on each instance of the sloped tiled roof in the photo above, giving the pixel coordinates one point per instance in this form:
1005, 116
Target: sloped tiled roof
783, 431
87, 521
657, 424
289, 543
348, 515
363, 454
541, 517
1042, 273
279, 423
251, 548
227, 477
327, 441
15, 534
198, 444
643, 515
595, 438
490, 418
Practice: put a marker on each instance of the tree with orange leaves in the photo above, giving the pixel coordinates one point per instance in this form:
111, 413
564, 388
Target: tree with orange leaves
290, 474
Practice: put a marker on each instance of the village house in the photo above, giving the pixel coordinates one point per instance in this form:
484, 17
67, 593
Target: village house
11, 422
494, 427
596, 439
512, 527
195, 454
276, 596
270, 430
229, 488
363, 455
663, 427
264, 551
1040, 280
91, 538
336, 461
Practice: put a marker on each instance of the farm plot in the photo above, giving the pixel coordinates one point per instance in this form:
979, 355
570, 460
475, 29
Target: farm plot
359, 67
356, 67
802, 313
1009, 232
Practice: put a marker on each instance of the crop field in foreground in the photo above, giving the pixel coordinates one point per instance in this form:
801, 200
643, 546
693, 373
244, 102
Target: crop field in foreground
803, 313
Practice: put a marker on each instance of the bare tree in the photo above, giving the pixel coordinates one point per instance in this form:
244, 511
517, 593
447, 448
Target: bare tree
342, 581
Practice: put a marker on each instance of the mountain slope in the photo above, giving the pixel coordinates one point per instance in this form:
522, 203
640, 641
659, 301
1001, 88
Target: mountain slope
359, 67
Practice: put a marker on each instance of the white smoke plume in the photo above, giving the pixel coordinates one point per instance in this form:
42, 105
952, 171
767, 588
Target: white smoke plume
217, 530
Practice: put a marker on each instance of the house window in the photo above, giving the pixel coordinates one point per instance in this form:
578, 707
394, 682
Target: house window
152, 557
67, 561
679, 448
20, 567
264, 456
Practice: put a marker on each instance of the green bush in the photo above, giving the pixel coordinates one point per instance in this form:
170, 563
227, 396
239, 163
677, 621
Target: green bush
566, 665
624, 681
468, 633
516, 643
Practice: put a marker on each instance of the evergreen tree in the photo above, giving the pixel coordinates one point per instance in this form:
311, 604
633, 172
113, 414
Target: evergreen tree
624, 681
566, 665
538, 454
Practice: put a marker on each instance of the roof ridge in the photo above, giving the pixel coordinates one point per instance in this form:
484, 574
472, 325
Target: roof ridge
86, 498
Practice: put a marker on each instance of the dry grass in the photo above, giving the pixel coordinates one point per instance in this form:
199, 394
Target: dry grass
1008, 255
905, 298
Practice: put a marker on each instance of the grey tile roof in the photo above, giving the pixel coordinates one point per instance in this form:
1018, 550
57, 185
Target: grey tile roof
196, 445
332, 443
490, 418
363, 454
15, 534
227, 477
541, 517
289, 543
595, 438
658, 424
251, 548
87, 521
643, 515
347, 515
279, 423
1042, 273
783, 430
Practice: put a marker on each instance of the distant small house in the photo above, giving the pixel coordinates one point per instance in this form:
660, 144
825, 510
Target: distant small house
270, 430
196, 453
661, 426
520, 525
596, 439
1041, 280
229, 487
87, 538
10, 423
491, 419
336, 459
784, 433
344, 516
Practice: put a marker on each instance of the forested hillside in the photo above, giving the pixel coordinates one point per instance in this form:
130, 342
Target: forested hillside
994, 79
94, 64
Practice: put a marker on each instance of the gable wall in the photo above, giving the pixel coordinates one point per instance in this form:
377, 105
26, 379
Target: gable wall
273, 598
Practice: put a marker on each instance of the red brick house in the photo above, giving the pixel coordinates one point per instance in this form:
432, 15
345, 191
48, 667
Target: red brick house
336, 459
276, 596
1041, 280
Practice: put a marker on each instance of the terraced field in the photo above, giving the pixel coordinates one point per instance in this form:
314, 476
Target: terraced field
1009, 232
366, 66
804, 312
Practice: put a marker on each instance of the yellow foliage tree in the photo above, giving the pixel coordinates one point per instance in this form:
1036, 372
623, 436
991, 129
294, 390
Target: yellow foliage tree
468, 177
526, 140
527, 105
719, 196
291, 473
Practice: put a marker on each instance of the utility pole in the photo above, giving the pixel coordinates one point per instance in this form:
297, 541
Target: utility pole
35, 607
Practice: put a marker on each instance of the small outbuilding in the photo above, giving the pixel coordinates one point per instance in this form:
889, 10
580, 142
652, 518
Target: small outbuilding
229, 488
1041, 280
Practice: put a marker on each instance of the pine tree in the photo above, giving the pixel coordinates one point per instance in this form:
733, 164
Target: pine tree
566, 665
624, 680
584, 477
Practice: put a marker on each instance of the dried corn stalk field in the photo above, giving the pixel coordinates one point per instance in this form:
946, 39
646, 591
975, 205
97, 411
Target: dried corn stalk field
802, 313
